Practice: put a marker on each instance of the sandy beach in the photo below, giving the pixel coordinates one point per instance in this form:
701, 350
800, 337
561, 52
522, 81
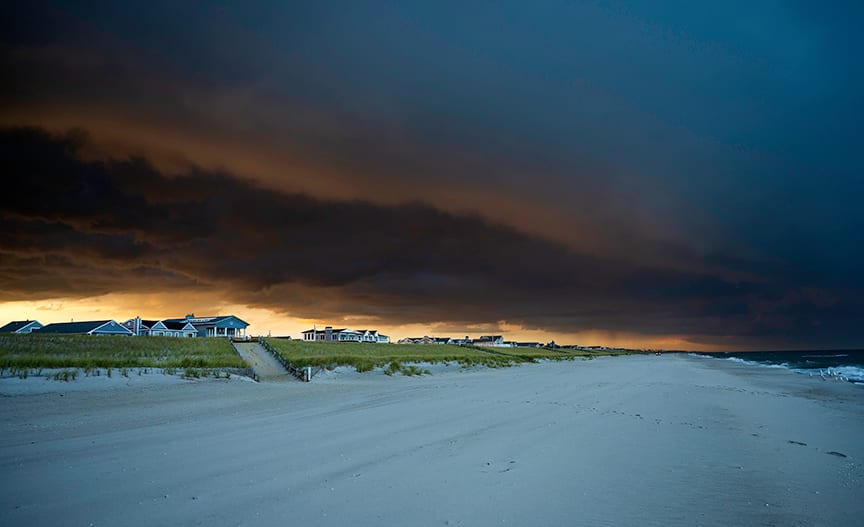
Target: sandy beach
641, 440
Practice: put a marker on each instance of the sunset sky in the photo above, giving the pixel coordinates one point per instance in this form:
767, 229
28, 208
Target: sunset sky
682, 175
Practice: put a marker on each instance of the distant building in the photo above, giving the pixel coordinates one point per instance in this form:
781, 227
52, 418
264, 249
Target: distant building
171, 328
139, 327
527, 345
426, 340
182, 327
96, 327
417, 340
329, 334
218, 326
490, 340
21, 326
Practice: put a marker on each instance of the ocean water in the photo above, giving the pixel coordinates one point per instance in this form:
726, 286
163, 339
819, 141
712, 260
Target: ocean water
845, 365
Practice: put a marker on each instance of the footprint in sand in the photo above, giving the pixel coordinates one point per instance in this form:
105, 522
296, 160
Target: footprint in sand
506, 467
831, 453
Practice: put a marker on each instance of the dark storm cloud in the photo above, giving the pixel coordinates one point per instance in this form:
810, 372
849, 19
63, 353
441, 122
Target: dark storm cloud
675, 124
224, 228
88, 227
707, 158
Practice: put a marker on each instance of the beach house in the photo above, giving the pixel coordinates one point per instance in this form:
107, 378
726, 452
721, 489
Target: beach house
329, 334
90, 327
21, 326
418, 340
160, 328
217, 326
138, 326
490, 340
171, 328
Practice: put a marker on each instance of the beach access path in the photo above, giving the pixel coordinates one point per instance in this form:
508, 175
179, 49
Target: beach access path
641, 440
265, 366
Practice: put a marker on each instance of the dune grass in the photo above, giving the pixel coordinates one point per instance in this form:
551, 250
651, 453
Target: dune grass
399, 357
530, 354
365, 357
89, 352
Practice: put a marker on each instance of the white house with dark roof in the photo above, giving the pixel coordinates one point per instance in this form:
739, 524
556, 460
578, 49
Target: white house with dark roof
329, 334
21, 326
426, 340
139, 326
490, 340
218, 326
160, 328
170, 328
94, 327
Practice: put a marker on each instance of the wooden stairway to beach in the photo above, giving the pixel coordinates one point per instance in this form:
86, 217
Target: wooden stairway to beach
265, 366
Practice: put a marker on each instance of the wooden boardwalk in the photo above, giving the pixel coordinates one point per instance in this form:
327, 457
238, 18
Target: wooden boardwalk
265, 366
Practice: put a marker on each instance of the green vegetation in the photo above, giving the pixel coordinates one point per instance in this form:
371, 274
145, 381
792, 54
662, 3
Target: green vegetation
65, 375
533, 354
365, 357
21, 353
24, 355
409, 370
393, 357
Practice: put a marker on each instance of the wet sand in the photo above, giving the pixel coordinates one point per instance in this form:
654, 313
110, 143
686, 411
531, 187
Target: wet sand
671, 440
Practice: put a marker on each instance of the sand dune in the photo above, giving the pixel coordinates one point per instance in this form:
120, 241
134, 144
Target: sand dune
672, 440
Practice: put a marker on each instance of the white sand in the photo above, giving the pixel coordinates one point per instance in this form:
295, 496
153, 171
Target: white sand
670, 440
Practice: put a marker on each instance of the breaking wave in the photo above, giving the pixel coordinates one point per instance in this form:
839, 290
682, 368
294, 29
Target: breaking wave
845, 366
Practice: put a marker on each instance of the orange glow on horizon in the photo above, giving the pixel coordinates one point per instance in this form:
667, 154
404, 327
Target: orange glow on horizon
121, 307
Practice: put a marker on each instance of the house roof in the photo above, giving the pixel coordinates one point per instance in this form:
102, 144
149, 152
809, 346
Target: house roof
73, 327
14, 326
175, 325
145, 324
204, 320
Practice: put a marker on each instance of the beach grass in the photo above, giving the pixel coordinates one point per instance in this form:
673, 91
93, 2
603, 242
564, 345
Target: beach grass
399, 357
19, 352
531, 354
365, 357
